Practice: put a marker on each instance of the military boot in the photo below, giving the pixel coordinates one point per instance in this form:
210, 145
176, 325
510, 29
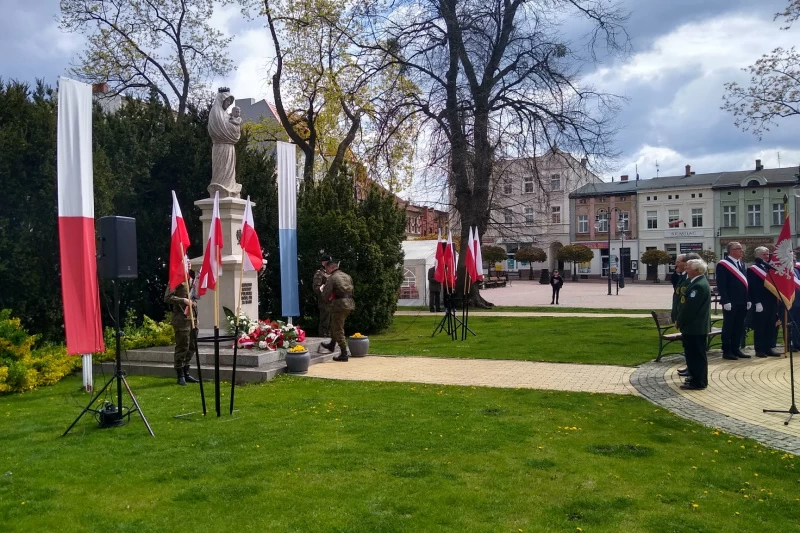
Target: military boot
181, 378
330, 346
342, 357
187, 377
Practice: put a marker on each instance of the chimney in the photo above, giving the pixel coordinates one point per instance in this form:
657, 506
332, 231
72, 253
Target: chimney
584, 162
688, 171
623, 177
759, 166
99, 88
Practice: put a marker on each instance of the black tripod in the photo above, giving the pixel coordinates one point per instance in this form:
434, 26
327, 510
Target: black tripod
111, 415
788, 324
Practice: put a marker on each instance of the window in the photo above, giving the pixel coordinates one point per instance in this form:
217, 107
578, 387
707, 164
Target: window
509, 216
555, 214
648, 198
529, 216
623, 221
697, 218
700, 195
692, 195
528, 184
582, 201
777, 214
409, 279
655, 198
652, 220
583, 223
754, 215
729, 216
602, 223
555, 182
677, 196
622, 198
508, 186
669, 197
673, 215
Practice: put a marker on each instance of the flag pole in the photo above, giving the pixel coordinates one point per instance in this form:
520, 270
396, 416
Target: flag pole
236, 331
193, 333
186, 282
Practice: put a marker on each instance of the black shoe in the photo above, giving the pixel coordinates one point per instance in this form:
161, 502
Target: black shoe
438, 310
326, 346
741, 355
342, 357
759, 354
181, 378
187, 377
730, 356
683, 372
773, 354
551, 303
432, 310
692, 386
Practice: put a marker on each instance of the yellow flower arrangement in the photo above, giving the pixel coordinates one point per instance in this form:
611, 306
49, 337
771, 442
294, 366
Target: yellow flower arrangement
297, 348
358, 336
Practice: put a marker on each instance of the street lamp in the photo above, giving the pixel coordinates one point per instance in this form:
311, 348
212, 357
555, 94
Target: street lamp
604, 211
621, 279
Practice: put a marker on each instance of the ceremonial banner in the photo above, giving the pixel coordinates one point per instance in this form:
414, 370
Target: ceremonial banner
476, 250
438, 274
76, 219
287, 228
783, 261
252, 258
469, 259
212, 269
179, 244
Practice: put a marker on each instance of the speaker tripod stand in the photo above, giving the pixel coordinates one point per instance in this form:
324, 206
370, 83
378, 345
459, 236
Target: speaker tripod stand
114, 415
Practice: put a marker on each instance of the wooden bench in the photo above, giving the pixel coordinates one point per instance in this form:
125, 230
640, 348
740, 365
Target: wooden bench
492, 283
666, 337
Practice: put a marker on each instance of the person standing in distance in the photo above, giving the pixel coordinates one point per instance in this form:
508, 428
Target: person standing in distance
339, 291
434, 291
694, 323
179, 300
323, 304
733, 295
556, 282
766, 311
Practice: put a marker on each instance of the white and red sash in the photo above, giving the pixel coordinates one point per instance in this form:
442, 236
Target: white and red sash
796, 278
735, 271
758, 271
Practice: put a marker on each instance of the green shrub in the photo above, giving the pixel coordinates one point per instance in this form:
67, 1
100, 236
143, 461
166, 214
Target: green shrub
24, 368
133, 335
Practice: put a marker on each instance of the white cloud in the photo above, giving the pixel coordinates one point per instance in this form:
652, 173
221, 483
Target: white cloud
252, 53
703, 47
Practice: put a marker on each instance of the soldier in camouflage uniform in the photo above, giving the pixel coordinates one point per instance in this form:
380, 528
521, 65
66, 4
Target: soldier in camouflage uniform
339, 291
179, 301
324, 305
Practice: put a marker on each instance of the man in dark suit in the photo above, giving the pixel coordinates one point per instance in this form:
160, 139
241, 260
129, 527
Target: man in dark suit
766, 311
694, 323
434, 291
733, 295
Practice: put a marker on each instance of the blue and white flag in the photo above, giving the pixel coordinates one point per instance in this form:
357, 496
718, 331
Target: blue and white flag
287, 228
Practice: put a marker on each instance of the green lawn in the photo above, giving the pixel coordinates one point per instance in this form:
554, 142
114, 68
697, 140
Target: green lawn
308, 455
619, 341
544, 309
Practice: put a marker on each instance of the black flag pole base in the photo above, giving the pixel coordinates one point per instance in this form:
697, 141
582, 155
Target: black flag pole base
216, 339
111, 415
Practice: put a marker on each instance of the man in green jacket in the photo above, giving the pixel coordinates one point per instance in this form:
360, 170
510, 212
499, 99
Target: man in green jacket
694, 323
324, 305
339, 290
179, 301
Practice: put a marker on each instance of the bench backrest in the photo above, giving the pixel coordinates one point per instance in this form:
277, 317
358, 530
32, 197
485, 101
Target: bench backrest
663, 320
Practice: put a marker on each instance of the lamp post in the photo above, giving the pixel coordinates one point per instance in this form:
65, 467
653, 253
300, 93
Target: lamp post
621, 279
604, 211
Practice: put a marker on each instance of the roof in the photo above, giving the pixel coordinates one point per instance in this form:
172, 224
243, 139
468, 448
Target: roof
715, 180
419, 250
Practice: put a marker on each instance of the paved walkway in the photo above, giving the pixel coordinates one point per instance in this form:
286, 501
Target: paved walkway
737, 392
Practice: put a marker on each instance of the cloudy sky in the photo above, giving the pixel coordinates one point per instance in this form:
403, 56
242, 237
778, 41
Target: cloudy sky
683, 53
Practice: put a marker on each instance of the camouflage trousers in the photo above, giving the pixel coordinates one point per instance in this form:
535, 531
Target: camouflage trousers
184, 351
324, 319
337, 328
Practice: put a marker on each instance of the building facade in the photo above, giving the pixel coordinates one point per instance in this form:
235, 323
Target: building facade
531, 205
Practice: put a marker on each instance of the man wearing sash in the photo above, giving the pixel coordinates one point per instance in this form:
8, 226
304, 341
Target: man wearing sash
733, 295
764, 321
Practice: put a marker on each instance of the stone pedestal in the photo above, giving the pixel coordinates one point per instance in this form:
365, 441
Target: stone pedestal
231, 213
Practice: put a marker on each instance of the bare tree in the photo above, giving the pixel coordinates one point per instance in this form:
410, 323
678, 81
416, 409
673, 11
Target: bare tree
496, 77
166, 46
774, 90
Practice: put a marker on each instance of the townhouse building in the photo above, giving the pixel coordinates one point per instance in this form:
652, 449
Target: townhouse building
531, 206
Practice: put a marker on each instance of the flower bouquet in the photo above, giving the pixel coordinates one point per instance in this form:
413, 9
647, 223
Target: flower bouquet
265, 334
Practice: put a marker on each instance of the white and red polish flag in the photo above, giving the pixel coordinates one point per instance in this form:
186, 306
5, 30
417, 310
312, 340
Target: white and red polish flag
469, 259
476, 250
78, 250
251, 249
211, 269
438, 274
450, 261
179, 245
